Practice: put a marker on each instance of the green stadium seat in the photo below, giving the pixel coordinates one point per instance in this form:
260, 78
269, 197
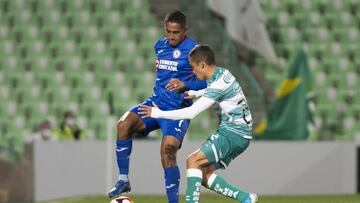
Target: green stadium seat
7, 48
352, 79
10, 108
57, 108
98, 6
3, 32
92, 110
4, 93
82, 121
99, 127
112, 20
15, 138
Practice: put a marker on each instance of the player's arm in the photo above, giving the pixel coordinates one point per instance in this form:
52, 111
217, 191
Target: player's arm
176, 84
192, 94
185, 113
195, 85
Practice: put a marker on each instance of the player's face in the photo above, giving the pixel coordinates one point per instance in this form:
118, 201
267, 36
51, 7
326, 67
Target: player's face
175, 33
198, 69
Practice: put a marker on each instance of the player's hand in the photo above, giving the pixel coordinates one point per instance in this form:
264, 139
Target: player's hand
145, 111
191, 94
175, 84
188, 96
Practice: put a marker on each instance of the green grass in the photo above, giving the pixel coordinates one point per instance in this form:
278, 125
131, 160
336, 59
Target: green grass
216, 199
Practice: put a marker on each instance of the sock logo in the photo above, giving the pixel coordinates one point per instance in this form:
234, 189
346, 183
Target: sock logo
121, 149
226, 191
170, 186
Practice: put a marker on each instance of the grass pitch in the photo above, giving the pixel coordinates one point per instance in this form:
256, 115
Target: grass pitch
205, 198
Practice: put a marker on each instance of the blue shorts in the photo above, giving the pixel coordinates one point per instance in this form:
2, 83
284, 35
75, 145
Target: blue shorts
176, 128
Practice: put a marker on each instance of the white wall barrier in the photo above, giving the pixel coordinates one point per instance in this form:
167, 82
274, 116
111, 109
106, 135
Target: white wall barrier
64, 169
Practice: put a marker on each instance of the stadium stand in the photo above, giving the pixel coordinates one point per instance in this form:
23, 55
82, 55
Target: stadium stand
86, 56
329, 32
78, 55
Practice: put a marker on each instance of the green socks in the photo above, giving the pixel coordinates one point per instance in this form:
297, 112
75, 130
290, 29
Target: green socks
215, 183
221, 186
194, 180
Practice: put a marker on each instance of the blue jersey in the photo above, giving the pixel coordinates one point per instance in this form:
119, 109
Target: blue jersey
172, 62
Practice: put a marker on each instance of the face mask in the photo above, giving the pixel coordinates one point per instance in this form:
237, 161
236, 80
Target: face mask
70, 121
46, 133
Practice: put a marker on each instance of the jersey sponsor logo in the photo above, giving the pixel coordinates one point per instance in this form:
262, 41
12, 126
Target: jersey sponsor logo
166, 65
176, 53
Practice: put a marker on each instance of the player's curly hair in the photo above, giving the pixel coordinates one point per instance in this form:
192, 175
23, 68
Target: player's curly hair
176, 17
203, 52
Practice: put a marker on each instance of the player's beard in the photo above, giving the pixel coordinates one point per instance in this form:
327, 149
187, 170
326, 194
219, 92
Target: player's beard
173, 43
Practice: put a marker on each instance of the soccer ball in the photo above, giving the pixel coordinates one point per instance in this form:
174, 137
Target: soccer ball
122, 199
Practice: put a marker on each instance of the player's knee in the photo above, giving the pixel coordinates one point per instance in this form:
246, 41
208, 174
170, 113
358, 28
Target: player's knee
169, 148
169, 152
191, 162
123, 127
168, 155
206, 176
122, 124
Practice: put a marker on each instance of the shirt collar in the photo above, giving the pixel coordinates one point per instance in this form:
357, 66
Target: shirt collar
216, 75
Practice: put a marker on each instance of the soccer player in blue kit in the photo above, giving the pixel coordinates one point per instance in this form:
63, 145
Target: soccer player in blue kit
173, 75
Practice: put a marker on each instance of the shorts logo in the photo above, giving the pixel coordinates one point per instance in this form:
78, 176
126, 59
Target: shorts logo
176, 53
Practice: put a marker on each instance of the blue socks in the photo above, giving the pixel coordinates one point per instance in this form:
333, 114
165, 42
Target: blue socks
172, 181
172, 174
123, 151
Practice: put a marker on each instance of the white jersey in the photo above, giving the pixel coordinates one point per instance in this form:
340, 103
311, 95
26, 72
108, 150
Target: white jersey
235, 113
223, 89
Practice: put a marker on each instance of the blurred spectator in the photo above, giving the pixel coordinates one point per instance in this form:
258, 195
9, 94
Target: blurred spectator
68, 129
43, 132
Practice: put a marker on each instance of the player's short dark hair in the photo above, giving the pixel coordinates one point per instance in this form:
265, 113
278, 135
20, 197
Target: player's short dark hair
176, 17
202, 52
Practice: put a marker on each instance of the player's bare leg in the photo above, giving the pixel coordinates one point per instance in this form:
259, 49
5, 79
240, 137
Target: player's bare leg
169, 148
199, 172
128, 125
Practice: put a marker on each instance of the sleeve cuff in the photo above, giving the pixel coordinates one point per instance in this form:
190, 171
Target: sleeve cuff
155, 112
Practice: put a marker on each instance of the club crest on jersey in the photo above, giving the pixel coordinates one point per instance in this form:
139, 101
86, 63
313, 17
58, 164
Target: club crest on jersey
176, 53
